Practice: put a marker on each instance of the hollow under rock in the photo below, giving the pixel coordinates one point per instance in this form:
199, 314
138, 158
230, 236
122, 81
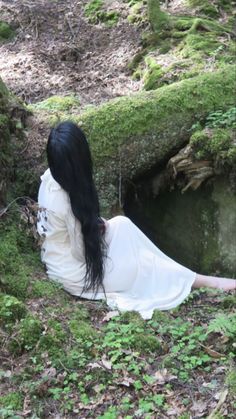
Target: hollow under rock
197, 228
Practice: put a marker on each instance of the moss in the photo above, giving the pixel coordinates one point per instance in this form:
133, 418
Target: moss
40, 288
96, 13
52, 341
157, 18
212, 10
82, 331
136, 14
3, 95
12, 401
183, 23
80, 313
57, 103
50, 344
214, 144
160, 317
136, 60
11, 309
17, 257
231, 381
25, 335
56, 329
6, 31
229, 301
152, 78
139, 131
132, 317
146, 343
198, 45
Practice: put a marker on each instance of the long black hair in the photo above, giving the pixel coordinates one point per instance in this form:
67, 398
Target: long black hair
70, 162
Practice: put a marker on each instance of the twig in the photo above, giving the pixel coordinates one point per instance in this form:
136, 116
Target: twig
221, 401
4, 210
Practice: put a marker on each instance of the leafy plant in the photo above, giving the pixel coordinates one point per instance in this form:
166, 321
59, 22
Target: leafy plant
221, 119
224, 324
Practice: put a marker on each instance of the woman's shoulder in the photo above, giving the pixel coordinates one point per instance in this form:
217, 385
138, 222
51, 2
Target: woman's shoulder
49, 181
51, 195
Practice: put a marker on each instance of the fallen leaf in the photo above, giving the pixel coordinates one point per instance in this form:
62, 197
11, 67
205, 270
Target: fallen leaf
162, 376
212, 352
107, 364
199, 406
110, 315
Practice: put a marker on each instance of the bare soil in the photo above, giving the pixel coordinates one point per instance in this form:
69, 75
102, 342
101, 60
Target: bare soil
56, 51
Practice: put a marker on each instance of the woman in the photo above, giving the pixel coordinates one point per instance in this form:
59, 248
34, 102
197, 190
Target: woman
98, 259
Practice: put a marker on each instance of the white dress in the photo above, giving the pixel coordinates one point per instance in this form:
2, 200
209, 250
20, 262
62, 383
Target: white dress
138, 276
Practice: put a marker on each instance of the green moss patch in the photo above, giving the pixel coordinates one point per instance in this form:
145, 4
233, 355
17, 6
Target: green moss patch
11, 402
158, 19
57, 104
210, 9
152, 75
11, 309
17, 258
96, 12
25, 335
6, 32
216, 141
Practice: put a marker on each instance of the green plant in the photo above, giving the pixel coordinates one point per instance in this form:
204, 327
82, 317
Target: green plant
224, 324
6, 31
221, 119
11, 309
25, 335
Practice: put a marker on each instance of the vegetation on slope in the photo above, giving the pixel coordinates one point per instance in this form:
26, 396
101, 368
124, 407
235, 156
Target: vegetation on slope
69, 356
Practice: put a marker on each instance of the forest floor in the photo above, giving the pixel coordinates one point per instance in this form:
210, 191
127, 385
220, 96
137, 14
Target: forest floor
63, 357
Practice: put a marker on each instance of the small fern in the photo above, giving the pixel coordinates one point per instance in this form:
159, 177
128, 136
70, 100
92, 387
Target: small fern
224, 324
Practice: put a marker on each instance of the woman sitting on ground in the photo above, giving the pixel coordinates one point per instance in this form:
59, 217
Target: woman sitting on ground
98, 259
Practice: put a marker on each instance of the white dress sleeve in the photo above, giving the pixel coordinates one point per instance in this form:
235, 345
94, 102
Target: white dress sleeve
76, 236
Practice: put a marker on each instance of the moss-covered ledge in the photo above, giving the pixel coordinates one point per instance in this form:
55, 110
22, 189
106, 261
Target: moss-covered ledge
4, 140
131, 135
12, 121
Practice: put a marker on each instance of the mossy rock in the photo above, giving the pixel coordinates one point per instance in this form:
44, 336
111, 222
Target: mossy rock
12, 118
56, 104
11, 309
158, 19
132, 135
129, 136
210, 8
152, 76
195, 44
217, 144
5, 155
